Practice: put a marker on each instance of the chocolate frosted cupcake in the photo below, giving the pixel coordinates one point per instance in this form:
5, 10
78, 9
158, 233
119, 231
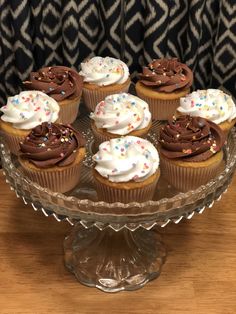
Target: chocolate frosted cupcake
162, 83
61, 83
190, 151
51, 155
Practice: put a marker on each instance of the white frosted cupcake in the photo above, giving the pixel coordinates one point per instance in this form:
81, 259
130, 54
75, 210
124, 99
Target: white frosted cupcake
119, 115
23, 112
126, 170
102, 77
211, 104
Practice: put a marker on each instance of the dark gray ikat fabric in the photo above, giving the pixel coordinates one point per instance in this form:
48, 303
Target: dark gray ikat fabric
64, 32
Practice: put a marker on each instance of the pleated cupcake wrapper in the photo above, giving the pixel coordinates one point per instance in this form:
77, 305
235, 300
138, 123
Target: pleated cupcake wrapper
69, 111
13, 142
161, 109
58, 180
93, 97
100, 138
227, 126
187, 178
110, 194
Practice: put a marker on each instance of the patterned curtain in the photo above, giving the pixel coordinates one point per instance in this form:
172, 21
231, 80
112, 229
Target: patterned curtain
36, 33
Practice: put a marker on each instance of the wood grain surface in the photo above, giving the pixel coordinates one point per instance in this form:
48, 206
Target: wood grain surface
198, 277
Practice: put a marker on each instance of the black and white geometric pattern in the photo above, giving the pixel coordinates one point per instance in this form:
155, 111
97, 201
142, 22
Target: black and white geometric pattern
65, 32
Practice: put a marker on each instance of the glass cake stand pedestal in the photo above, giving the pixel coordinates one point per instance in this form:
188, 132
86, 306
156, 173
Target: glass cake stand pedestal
116, 246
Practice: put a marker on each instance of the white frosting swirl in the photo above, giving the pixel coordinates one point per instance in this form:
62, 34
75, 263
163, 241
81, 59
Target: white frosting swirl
30, 108
126, 158
212, 104
104, 71
121, 114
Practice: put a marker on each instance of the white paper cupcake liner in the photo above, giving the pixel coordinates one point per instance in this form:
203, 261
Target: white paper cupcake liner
13, 142
100, 137
69, 110
92, 97
187, 178
62, 180
110, 194
161, 109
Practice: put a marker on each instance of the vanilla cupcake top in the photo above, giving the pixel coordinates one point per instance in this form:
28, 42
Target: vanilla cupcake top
28, 109
121, 114
212, 104
126, 159
104, 71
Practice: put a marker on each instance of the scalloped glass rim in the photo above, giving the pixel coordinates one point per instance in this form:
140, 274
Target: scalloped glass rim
86, 206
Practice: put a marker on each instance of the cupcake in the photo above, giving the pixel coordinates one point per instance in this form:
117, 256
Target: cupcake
126, 170
61, 83
51, 155
118, 115
161, 84
190, 151
212, 104
22, 113
102, 77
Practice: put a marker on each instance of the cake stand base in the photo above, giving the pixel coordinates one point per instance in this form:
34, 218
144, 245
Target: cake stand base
114, 261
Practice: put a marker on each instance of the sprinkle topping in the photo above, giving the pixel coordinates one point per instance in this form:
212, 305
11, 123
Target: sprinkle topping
50, 145
126, 159
59, 82
190, 139
29, 108
104, 71
121, 114
212, 104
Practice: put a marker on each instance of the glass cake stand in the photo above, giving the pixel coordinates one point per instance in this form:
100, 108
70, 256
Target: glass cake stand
116, 246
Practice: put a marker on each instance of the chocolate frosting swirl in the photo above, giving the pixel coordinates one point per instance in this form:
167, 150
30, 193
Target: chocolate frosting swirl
59, 82
50, 144
191, 139
166, 75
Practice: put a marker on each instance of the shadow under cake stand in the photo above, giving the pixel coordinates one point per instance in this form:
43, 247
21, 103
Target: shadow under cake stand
116, 246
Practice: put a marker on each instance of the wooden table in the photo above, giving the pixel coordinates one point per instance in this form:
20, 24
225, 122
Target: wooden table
198, 277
